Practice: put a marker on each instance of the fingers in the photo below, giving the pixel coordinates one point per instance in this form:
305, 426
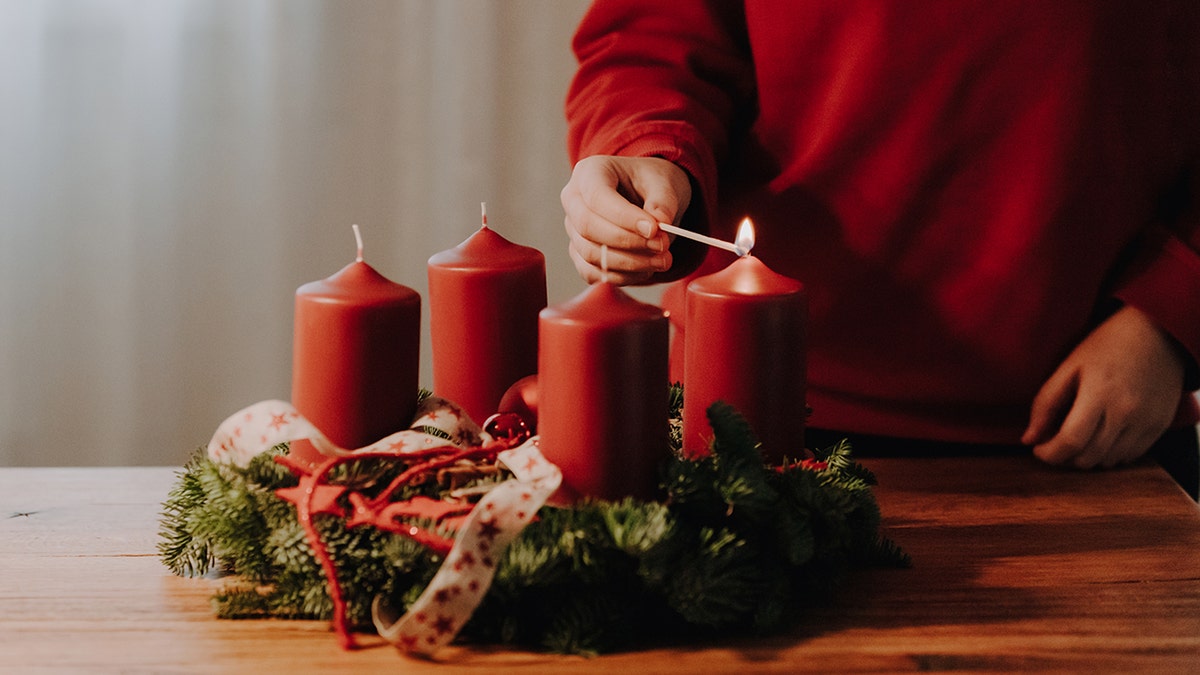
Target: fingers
1091, 437
1083, 425
593, 273
1113, 396
665, 191
1075, 438
622, 267
1050, 407
586, 226
616, 202
603, 215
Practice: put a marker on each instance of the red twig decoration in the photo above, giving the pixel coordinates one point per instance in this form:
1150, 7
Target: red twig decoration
314, 496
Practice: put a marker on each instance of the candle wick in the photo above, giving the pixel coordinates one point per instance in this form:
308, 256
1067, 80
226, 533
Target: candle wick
604, 263
358, 240
483, 212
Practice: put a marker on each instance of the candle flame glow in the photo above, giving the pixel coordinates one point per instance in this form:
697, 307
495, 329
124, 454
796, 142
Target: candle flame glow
745, 237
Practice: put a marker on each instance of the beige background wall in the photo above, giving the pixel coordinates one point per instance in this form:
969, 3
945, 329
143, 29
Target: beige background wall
171, 170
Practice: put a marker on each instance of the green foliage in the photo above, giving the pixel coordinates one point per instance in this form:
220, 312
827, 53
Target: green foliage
675, 408
735, 545
181, 551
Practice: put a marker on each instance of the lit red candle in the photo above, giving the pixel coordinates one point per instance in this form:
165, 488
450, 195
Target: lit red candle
355, 360
602, 393
484, 299
745, 345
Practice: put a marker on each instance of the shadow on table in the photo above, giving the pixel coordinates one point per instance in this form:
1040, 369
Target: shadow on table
980, 577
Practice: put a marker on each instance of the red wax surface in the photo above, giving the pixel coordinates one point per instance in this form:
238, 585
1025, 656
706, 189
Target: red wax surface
744, 345
602, 393
355, 358
484, 299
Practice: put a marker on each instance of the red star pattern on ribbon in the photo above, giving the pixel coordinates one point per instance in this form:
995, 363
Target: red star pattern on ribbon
488, 530
466, 574
480, 532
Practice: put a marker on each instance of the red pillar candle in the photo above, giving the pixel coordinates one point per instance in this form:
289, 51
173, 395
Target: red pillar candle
745, 345
484, 299
355, 359
602, 393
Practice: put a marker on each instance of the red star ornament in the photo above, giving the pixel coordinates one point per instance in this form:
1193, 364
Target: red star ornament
320, 498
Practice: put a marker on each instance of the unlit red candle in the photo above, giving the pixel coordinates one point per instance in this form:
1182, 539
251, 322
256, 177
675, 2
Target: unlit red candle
602, 393
744, 344
484, 299
355, 361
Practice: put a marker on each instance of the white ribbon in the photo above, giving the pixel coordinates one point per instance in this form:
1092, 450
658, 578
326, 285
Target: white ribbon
466, 574
266, 424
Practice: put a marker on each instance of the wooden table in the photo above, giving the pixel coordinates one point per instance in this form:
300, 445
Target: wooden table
1016, 566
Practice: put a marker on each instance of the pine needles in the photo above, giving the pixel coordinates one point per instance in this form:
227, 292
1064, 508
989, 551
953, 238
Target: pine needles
735, 545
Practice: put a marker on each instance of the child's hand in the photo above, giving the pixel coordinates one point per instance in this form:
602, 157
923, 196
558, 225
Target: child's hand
618, 202
1113, 396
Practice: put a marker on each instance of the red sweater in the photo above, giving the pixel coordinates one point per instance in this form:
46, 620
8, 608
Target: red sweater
964, 187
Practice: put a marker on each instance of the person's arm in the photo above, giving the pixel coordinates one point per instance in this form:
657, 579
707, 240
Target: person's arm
1112, 397
656, 81
1120, 389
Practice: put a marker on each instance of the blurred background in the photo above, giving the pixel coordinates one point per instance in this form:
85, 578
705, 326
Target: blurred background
172, 170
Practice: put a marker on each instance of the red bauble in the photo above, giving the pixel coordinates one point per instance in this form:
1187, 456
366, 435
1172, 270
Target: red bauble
508, 428
521, 399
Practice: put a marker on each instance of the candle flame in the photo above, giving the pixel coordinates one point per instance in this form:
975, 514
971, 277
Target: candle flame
745, 237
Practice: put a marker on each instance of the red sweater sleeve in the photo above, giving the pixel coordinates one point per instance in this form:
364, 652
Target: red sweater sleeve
1163, 277
662, 79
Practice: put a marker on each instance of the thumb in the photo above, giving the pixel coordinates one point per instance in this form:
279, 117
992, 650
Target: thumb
1050, 407
666, 191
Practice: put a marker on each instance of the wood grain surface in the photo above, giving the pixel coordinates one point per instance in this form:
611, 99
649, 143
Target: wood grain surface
1017, 566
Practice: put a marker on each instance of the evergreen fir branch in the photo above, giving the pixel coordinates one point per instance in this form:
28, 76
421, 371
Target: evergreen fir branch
741, 475
434, 431
675, 417
886, 553
837, 456
180, 550
231, 522
530, 558
731, 481
856, 470
778, 598
298, 594
736, 545
267, 474
637, 528
689, 485
241, 602
845, 482
590, 621
794, 537
675, 401
718, 585
289, 548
